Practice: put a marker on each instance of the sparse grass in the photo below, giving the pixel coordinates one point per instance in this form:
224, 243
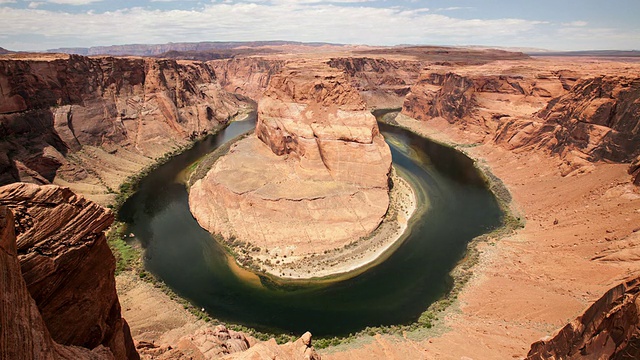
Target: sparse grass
126, 256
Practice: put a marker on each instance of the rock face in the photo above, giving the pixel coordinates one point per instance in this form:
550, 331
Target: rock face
382, 83
301, 349
67, 267
247, 76
634, 170
581, 117
23, 333
609, 329
97, 120
315, 176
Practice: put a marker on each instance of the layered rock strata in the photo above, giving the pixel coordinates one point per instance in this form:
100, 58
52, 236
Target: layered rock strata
90, 122
314, 176
608, 329
68, 270
583, 116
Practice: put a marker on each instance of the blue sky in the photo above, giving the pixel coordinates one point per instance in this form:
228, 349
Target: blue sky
549, 24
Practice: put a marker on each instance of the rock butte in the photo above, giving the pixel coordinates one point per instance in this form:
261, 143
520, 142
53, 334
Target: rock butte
561, 133
313, 177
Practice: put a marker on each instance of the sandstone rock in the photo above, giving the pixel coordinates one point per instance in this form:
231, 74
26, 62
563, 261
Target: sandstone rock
634, 171
55, 107
582, 118
382, 83
313, 178
599, 117
300, 349
247, 76
23, 333
68, 267
607, 330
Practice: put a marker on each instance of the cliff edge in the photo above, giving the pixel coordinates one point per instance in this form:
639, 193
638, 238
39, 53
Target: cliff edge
63, 292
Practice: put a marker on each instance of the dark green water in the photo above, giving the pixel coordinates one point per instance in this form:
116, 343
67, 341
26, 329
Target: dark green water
396, 291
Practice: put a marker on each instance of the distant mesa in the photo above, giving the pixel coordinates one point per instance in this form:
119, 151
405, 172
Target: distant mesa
159, 49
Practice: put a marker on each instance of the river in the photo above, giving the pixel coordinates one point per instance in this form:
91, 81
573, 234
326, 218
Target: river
397, 291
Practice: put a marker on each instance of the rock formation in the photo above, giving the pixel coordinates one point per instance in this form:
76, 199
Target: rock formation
634, 171
608, 329
383, 83
68, 270
315, 176
94, 121
581, 117
598, 117
301, 349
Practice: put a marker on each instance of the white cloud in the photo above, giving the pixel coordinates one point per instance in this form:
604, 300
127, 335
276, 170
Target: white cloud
73, 2
7, 1
454, 8
301, 20
34, 4
576, 23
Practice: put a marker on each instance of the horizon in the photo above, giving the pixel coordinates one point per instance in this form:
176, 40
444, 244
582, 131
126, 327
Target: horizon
558, 25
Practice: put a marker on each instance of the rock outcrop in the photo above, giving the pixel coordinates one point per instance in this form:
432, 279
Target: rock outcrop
581, 117
301, 349
608, 329
94, 121
314, 177
249, 76
68, 270
634, 171
23, 333
382, 83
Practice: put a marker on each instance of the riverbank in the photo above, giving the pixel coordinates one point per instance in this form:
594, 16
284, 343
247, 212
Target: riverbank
528, 283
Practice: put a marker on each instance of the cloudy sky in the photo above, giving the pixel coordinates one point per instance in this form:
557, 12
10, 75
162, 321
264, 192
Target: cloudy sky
550, 24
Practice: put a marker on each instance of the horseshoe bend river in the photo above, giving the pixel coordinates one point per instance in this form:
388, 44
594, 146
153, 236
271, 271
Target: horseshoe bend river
396, 291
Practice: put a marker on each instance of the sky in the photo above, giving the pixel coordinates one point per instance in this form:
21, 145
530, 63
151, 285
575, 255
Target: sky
546, 24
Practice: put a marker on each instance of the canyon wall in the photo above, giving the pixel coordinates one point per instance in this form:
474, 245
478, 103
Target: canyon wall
608, 329
382, 83
63, 292
90, 122
313, 177
583, 116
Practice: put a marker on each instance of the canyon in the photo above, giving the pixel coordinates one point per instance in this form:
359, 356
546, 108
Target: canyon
561, 133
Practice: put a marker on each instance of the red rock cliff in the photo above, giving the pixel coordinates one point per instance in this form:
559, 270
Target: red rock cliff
608, 329
576, 115
68, 270
97, 120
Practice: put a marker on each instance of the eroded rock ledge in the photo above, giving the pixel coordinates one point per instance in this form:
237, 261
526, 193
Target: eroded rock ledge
608, 329
68, 270
314, 177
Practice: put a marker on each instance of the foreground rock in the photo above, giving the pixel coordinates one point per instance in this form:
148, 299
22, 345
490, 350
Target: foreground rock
608, 329
68, 270
301, 349
314, 176
88, 123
